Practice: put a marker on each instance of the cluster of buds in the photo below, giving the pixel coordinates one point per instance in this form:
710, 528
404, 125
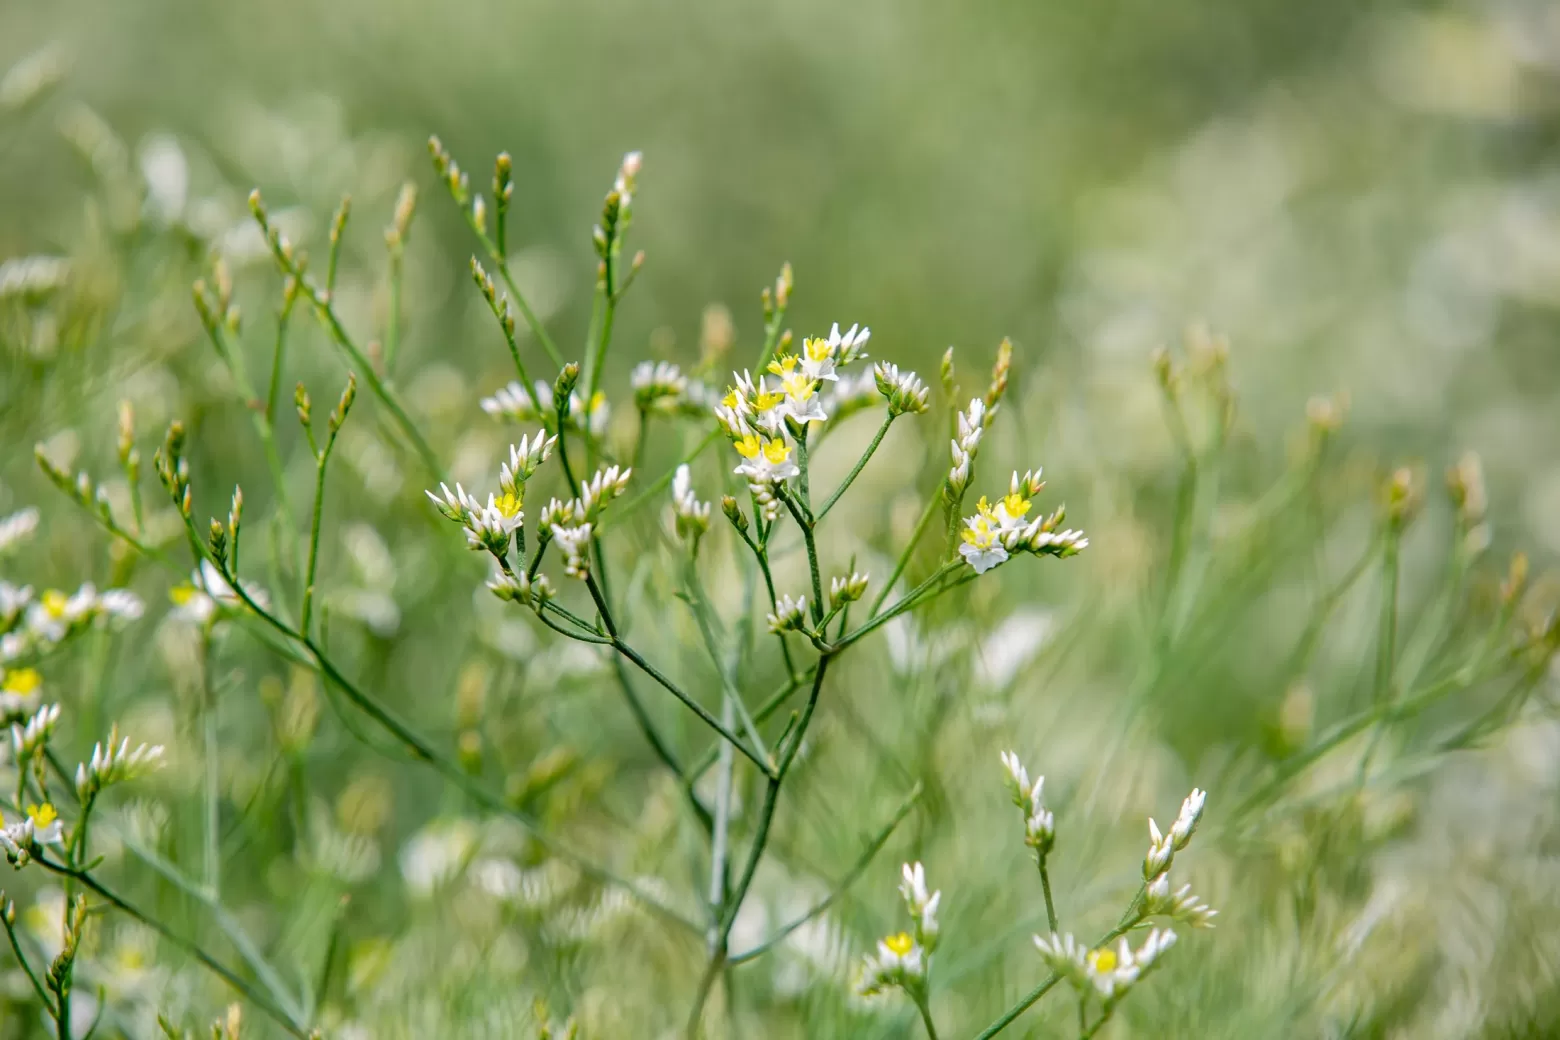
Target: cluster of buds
902, 960
997, 531
690, 517
574, 543
1163, 847
1109, 972
600, 489
539, 406
1039, 822
81, 489
519, 587
903, 390
789, 614
1179, 905
450, 173
114, 762
971, 426
659, 386
847, 589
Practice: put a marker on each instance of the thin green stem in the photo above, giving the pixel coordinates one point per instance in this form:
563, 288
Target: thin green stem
211, 849
860, 465
1045, 886
905, 554
21, 959
314, 541
919, 999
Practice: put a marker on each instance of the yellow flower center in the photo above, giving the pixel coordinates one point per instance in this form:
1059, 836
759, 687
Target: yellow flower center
182, 595
776, 451
783, 365
900, 945
981, 534
54, 602
730, 400
749, 446
509, 504
22, 681
817, 349
42, 816
1103, 961
767, 399
798, 387
1016, 505
597, 399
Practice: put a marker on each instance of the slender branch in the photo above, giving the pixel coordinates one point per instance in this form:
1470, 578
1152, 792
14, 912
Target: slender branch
838, 891
1045, 886
860, 465
21, 959
905, 554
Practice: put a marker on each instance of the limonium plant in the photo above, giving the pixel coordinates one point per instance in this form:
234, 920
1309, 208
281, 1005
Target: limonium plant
716, 493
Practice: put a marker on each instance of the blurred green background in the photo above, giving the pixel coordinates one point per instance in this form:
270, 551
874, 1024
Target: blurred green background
1364, 197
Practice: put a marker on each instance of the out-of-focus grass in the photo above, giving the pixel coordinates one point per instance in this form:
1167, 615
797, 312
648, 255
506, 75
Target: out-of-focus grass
1361, 198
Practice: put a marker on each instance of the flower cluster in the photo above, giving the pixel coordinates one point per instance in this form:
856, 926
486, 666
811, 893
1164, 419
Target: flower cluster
1110, 972
994, 532
1158, 899
513, 403
491, 527
31, 627
40, 825
789, 614
1039, 822
902, 960
111, 764
847, 589
971, 427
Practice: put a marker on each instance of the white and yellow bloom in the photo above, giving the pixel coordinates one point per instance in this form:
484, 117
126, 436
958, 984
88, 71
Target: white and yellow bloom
849, 346
46, 826
657, 385
20, 689
898, 961
982, 548
17, 528
765, 459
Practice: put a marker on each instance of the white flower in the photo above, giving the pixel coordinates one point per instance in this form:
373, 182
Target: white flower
765, 460
1062, 954
455, 505
1160, 852
13, 600
904, 391
788, 614
982, 547
17, 527
198, 600
1109, 971
922, 907
1181, 905
691, 517
1039, 822
20, 689
118, 605
1018, 778
959, 472
1186, 821
30, 737
602, 488
802, 401
46, 827
972, 423
113, 765
524, 458
898, 961
657, 385
850, 346
512, 402
574, 543
493, 526
55, 615
511, 586
436, 854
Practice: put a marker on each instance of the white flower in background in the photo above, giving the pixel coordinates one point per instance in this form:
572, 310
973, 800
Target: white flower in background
788, 614
1012, 645
690, 516
574, 543
55, 614
120, 605
512, 402
850, 394
436, 854
657, 385
17, 528
200, 599
13, 600
765, 460
20, 690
